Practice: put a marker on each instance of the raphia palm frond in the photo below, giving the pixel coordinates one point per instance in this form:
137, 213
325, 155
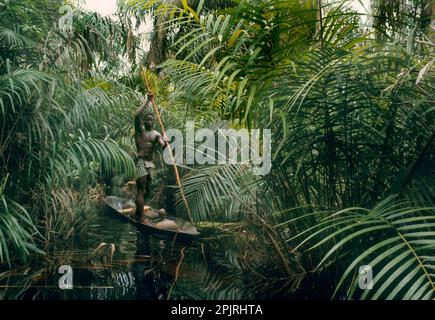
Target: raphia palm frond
397, 241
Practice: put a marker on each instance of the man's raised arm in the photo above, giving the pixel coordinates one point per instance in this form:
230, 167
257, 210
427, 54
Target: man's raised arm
139, 112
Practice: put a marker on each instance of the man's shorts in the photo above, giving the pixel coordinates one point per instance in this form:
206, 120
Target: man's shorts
143, 168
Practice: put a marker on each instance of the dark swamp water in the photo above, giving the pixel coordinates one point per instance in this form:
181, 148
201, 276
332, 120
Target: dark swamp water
141, 267
134, 266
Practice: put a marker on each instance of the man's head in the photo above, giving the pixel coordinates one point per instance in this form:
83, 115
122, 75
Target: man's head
149, 120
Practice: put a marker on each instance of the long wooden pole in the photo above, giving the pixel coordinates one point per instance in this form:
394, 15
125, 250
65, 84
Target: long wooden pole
177, 175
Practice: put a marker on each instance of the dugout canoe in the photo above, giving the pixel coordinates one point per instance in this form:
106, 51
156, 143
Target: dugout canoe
186, 231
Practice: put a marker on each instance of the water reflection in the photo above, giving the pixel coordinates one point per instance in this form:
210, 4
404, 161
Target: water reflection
152, 279
142, 267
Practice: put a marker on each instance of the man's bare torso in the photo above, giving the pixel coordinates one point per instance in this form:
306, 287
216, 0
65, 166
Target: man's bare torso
145, 141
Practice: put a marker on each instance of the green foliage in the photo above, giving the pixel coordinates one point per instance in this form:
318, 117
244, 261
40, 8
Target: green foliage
352, 122
16, 229
219, 192
58, 124
395, 238
351, 112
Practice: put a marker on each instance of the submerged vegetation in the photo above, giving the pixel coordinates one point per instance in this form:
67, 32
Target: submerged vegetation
350, 107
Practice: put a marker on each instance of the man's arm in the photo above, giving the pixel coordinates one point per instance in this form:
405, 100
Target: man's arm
139, 112
162, 141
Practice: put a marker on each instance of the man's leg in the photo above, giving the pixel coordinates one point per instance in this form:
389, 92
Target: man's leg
141, 193
147, 186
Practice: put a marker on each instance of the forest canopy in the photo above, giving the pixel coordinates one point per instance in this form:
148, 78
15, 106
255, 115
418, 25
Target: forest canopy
350, 107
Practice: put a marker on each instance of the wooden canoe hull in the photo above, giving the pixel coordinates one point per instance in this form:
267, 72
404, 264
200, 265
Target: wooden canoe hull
113, 205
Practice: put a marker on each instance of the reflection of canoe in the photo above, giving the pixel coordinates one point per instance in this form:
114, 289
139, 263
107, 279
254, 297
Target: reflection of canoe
186, 231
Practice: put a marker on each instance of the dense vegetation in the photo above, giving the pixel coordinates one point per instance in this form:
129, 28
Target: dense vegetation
350, 109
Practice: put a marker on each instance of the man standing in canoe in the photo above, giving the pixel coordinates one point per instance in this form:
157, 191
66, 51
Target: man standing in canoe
145, 137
